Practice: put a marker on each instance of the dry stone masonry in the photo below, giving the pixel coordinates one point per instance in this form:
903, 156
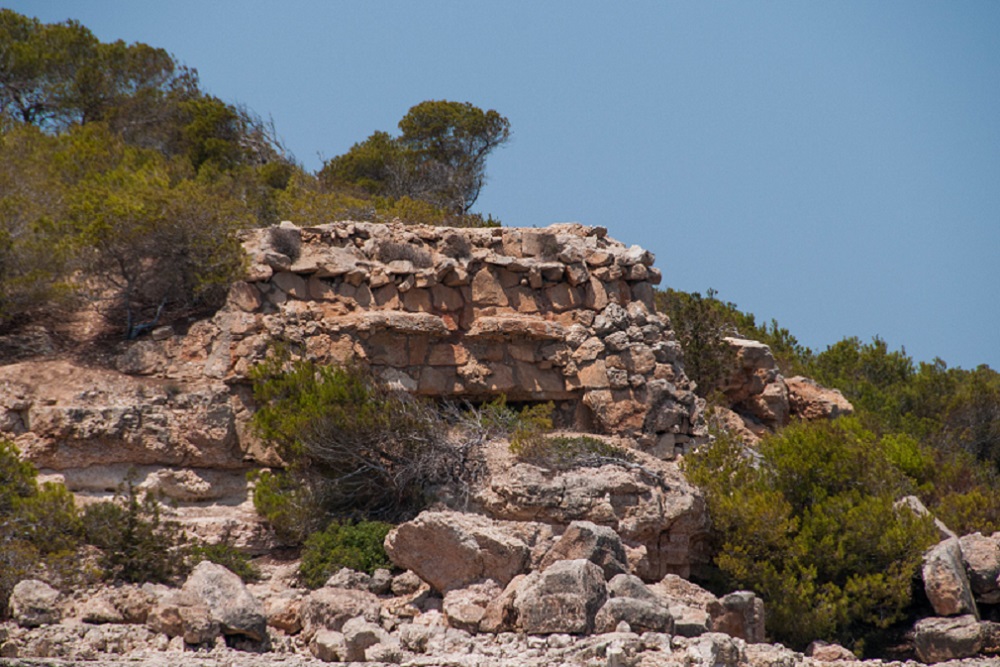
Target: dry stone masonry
562, 314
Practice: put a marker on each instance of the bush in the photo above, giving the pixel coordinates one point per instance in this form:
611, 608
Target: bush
136, 544
358, 546
358, 449
39, 526
810, 524
226, 555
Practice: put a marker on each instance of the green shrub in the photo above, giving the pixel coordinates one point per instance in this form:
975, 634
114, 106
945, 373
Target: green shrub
809, 523
287, 504
357, 546
226, 555
136, 544
358, 448
39, 526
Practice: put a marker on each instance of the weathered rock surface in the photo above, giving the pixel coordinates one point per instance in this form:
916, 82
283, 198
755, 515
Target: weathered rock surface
231, 605
659, 517
981, 556
941, 639
598, 544
450, 550
563, 598
33, 603
945, 580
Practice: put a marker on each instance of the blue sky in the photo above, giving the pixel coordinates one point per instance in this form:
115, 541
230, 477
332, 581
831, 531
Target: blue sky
835, 166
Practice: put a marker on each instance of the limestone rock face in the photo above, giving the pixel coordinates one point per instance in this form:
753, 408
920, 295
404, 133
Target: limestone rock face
762, 400
808, 400
564, 598
945, 580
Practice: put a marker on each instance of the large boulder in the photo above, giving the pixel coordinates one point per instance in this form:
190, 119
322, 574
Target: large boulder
981, 555
34, 603
564, 598
598, 544
945, 580
940, 639
808, 400
450, 550
233, 606
742, 616
634, 603
693, 608
330, 608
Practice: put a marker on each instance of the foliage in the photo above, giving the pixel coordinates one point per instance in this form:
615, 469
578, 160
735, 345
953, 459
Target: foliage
701, 323
357, 546
288, 505
226, 555
39, 525
440, 156
809, 523
359, 448
136, 544
701, 326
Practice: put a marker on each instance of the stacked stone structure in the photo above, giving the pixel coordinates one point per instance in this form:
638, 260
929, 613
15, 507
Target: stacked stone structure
561, 314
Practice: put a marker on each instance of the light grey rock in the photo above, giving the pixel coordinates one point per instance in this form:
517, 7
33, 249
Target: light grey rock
34, 603
237, 611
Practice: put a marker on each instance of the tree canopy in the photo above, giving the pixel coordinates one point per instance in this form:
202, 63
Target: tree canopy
439, 157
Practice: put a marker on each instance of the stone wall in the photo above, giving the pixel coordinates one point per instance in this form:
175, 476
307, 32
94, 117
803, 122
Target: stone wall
563, 313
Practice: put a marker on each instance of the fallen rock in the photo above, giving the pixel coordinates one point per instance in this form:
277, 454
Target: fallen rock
742, 616
359, 635
945, 580
450, 550
34, 603
982, 563
659, 517
330, 608
598, 544
464, 608
231, 604
328, 646
824, 652
640, 616
563, 598
940, 639
808, 400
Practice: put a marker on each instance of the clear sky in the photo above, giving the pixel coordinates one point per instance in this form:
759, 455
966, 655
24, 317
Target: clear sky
835, 166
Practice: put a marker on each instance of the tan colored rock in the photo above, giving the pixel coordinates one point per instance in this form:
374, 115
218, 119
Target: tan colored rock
330, 608
941, 639
487, 290
981, 556
450, 550
667, 521
742, 615
824, 652
563, 598
464, 608
808, 400
945, 580
227, 598
598, 544
34, 603
244, 296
